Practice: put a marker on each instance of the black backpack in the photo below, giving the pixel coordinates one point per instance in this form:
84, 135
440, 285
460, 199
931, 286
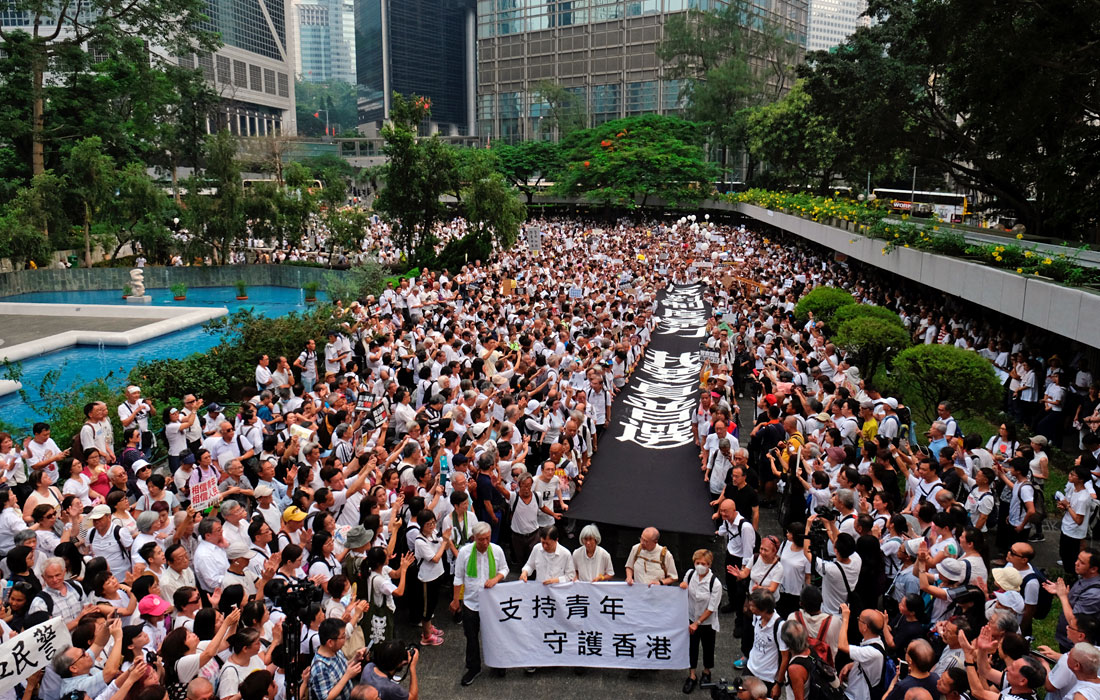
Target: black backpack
115, 530
47, 599
822, 683
1046, 599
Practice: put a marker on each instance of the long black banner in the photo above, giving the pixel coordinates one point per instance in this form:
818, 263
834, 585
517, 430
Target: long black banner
646, 472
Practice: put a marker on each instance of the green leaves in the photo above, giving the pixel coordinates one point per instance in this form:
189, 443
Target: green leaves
418, 173
822, 302
946, 373
628, 161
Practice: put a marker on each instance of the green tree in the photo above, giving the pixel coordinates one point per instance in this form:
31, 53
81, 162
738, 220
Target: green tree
140, 212
730, 60
935, 373
799, 144
56, 28
873, 340
849, 311
822, 302
565, 111
915, 82
488, 204
216, 220
419, 171
528, 164
627, 161
92, 179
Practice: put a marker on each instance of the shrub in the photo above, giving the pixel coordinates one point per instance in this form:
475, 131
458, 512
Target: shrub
179, 289
937, 373
822, 302
310, 288
872, 339
851, 311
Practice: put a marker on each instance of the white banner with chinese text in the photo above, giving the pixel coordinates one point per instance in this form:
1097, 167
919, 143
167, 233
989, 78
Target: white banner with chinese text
608, 625
30, 651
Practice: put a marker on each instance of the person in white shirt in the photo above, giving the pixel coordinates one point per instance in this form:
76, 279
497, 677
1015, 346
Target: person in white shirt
839, 576
109, 539
42, 453
866, 667
592, 561
429, 548
479, 565
768, 656
235, 527
263, 374
211, 561
134, 413
1077, 503
551, 562
704, 597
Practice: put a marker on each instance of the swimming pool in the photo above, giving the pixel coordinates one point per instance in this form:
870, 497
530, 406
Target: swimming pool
83, 363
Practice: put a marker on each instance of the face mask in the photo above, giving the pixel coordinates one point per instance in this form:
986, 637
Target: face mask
701, 570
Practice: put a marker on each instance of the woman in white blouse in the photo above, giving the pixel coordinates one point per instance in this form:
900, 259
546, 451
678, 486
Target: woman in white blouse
704, 597
766, 571
592, 561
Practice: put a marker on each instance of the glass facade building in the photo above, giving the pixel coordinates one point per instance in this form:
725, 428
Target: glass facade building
832, 21
603, 51
325, 47
422, 47
252, 72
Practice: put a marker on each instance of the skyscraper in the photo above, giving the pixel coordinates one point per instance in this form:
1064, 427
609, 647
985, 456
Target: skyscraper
252, 71
603, 51
832, 21
423, 47
325, 46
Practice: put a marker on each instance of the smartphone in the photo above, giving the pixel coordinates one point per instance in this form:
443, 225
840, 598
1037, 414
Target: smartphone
903, 670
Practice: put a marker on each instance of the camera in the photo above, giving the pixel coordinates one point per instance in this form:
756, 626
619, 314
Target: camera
827, 513
295, 599
726, 690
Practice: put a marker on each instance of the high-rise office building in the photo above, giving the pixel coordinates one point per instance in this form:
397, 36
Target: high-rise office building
325, 46
603, 51
422, 47
253, 71
832, 21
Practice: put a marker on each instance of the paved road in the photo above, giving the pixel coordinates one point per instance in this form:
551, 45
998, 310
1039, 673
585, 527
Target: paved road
19, 328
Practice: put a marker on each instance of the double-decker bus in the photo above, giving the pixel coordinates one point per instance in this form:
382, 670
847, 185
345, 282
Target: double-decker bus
948, 206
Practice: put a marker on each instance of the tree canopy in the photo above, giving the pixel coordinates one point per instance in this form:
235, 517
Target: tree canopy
628, 161
1006, 102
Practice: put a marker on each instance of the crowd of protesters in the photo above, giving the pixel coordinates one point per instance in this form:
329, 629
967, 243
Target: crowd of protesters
429, 446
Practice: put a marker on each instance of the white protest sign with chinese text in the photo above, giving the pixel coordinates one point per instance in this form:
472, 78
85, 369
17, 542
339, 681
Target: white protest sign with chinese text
204, 493
608, 625
30, 651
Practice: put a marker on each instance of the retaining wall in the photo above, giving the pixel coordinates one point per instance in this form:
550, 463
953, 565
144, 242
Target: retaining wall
1067, 311
99, 278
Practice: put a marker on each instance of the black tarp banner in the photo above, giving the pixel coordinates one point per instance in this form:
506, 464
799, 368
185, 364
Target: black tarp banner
646, 472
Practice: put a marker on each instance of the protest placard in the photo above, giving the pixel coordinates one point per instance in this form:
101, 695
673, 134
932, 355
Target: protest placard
31, 650
204, 493
608, 625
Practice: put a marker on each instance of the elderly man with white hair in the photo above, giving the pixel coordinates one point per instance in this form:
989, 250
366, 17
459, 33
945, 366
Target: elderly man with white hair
480, 565
59, 598
592, 561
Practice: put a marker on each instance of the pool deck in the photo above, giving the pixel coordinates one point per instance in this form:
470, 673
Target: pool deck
29, 330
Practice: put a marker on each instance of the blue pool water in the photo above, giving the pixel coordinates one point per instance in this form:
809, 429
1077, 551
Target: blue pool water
83, 363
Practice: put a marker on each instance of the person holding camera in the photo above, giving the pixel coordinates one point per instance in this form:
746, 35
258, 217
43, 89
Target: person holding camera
387, 661
837, 576
914, 671
331, 675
